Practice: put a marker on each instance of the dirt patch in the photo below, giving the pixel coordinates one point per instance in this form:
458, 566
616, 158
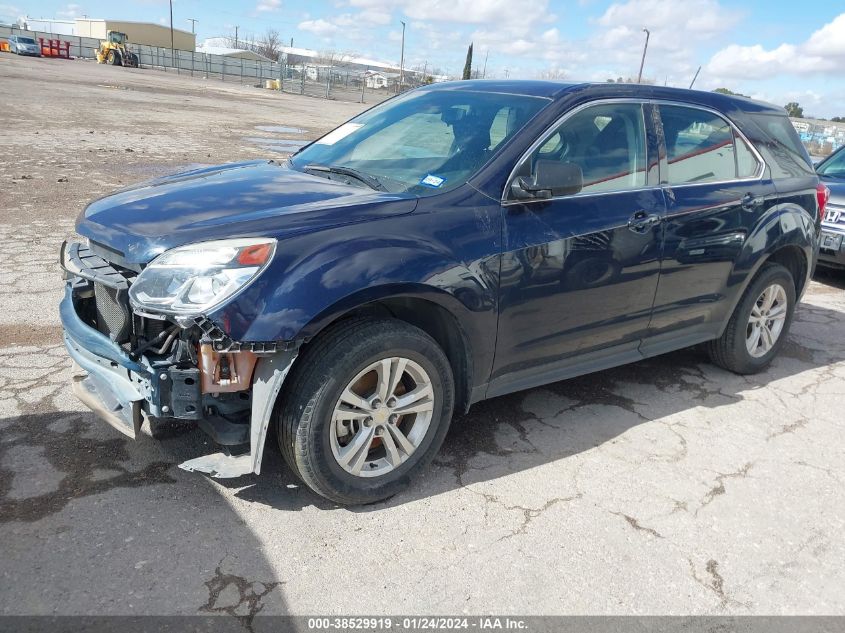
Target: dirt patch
29, 334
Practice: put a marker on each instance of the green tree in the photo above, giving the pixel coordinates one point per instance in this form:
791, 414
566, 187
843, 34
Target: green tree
838, 119
794, 110
728, 91
468, 65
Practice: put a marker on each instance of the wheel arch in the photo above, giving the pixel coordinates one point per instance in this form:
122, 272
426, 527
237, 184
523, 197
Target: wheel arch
434, 311
794, 259
785, 237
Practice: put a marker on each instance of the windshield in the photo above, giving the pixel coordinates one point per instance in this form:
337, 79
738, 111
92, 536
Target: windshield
834, 167
26, 40
117, 38
423, 142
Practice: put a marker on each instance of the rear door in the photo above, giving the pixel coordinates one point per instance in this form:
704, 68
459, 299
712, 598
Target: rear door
579, 271
715, 194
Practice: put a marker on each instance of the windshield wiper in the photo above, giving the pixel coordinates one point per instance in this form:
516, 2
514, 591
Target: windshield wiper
371, 181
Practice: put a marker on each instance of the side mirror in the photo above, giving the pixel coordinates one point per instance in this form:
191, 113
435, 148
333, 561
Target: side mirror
551, 178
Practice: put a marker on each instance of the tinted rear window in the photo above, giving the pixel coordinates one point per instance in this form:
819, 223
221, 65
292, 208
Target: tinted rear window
782, 149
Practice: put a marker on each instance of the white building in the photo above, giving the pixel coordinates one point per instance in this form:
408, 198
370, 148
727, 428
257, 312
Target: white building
228, 51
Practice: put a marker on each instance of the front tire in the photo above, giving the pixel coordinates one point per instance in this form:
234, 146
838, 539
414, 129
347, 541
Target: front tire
759, 325
366, 409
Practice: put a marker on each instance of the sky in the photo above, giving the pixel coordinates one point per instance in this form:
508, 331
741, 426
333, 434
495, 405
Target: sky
773, 50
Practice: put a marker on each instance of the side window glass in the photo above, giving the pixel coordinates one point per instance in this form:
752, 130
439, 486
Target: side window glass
746, 162
502, 123
699, 145
606, 142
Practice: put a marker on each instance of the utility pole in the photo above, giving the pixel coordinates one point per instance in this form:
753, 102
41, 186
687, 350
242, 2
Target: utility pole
236, 37
484, 72
402, 60
171, 32
193, 21
694, 78
645, 48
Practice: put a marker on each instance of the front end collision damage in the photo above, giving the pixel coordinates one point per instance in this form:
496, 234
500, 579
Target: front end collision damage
124, 386
270, 374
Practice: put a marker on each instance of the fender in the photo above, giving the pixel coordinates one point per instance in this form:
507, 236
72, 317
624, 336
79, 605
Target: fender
317, 277
785, 224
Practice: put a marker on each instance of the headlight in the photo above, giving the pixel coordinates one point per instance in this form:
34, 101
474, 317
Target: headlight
193, 279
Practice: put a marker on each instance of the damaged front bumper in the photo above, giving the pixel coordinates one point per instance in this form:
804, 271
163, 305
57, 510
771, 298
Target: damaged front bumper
123, 390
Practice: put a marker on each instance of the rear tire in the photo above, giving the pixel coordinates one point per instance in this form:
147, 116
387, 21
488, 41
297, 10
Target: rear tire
319, 432
757, 331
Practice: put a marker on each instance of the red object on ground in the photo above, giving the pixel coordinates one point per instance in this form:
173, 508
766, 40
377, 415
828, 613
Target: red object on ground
54, 48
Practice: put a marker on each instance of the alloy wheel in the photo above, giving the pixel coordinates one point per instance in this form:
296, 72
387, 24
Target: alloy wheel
765, 325
381, 417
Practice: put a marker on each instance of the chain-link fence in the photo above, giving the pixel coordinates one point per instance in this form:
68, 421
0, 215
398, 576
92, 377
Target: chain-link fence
323, 80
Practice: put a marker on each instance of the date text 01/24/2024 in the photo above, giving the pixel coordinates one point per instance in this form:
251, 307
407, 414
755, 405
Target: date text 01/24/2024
416, 623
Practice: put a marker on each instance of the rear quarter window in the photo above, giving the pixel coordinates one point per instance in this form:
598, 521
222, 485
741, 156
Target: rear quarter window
780, 146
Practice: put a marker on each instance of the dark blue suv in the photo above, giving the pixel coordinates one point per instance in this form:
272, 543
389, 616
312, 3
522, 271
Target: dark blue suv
459, 242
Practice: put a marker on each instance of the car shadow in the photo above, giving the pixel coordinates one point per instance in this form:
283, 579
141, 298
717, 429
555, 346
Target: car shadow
111, 524
830, 277
582, 412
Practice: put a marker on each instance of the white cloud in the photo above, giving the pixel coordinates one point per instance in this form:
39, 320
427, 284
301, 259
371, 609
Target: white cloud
616, 40
823, 52
828, 40
699, 19
677, 30
319, 27
264, 6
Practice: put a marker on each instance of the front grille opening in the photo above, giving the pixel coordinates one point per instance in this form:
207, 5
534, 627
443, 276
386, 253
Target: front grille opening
112, 308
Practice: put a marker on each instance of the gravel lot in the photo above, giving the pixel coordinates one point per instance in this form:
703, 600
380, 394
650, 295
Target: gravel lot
666, 487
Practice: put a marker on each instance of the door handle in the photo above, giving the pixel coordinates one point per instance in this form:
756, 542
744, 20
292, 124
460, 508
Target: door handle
641, 221
750, 202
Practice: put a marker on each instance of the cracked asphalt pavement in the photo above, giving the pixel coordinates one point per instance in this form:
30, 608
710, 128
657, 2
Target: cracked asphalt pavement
665, 487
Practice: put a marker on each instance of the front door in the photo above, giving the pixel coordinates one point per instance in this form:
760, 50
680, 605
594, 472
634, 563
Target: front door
579, 271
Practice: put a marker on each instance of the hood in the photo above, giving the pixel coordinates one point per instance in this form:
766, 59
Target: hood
258, 198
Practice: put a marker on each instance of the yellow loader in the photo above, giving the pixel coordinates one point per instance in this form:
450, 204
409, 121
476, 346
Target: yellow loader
115, 51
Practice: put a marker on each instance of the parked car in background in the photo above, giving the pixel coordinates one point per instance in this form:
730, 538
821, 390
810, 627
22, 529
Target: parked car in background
23, 45
458, 242
832, 173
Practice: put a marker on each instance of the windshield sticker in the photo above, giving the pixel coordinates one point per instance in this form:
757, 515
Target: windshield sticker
340, 133
433, 181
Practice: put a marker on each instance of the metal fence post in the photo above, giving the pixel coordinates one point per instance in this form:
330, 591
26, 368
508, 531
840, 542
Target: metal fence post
328, 81
302, 80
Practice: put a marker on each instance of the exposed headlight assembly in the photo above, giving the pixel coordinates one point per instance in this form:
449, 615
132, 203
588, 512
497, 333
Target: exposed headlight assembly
193, 279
